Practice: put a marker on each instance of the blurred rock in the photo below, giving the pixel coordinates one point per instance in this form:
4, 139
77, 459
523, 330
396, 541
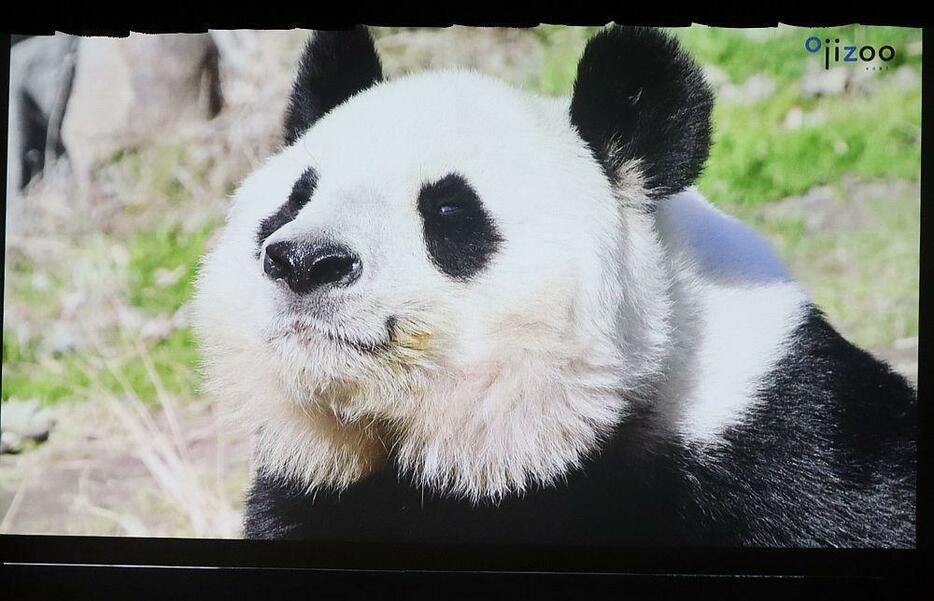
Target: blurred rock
824, 210
25, 419
10, 443
794, 119
72, 303
182, 317
759, 34
131, 318
129, 90
41, 282
64, 337
41, 72
756, 88
811, 206
863, 80
163, 277
156, 329
906, 77
237, 47
716, 77
797, 118
818, 81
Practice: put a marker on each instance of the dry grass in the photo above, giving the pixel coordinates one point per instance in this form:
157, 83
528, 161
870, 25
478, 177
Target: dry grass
192, 479
121, 460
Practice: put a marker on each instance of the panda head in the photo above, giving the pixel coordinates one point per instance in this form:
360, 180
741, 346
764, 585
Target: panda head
450, 273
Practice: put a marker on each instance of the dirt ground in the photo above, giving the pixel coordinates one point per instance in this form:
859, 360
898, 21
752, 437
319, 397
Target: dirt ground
94, 476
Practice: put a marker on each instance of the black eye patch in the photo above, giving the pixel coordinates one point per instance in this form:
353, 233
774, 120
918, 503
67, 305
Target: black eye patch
301, 193
460, 236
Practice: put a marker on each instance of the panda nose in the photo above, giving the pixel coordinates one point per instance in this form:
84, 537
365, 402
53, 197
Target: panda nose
307, 266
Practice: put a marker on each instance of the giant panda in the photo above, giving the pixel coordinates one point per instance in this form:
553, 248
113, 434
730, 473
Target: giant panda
453, 311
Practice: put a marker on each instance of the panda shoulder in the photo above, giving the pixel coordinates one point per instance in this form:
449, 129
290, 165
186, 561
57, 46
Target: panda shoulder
719, 246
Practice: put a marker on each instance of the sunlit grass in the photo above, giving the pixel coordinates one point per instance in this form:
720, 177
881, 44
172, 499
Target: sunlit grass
778, 52
163, 263
755, 158
160, 271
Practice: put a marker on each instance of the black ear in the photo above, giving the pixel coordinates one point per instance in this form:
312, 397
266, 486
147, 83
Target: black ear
639, 96
334, 66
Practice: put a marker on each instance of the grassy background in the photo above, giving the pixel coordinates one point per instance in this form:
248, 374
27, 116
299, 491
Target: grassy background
867, 278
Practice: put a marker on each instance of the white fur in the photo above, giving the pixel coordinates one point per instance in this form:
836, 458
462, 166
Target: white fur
733, 285
511, 378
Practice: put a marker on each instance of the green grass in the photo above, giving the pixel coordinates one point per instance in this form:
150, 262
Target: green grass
754, 157
561, 48
21, 286
173, 359
169, 252
778, 53
26, 375
31, 371
70, 376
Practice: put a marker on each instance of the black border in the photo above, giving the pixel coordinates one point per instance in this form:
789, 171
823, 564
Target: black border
89, 18
231, 553
82, 559
61, 582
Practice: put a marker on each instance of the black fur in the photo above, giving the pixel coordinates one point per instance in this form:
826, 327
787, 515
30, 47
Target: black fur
301, 193
638, 95
827, 460
460, 236
334, 66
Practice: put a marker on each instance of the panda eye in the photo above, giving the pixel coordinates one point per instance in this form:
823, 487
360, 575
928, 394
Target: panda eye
460, 236
449, 208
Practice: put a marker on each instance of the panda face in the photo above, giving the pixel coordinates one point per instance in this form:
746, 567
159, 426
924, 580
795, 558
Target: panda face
444, 265
414, 224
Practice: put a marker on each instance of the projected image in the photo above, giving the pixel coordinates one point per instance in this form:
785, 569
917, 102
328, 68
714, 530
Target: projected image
595, 286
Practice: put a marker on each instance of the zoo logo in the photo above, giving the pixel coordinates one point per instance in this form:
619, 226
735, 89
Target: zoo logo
851, 53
